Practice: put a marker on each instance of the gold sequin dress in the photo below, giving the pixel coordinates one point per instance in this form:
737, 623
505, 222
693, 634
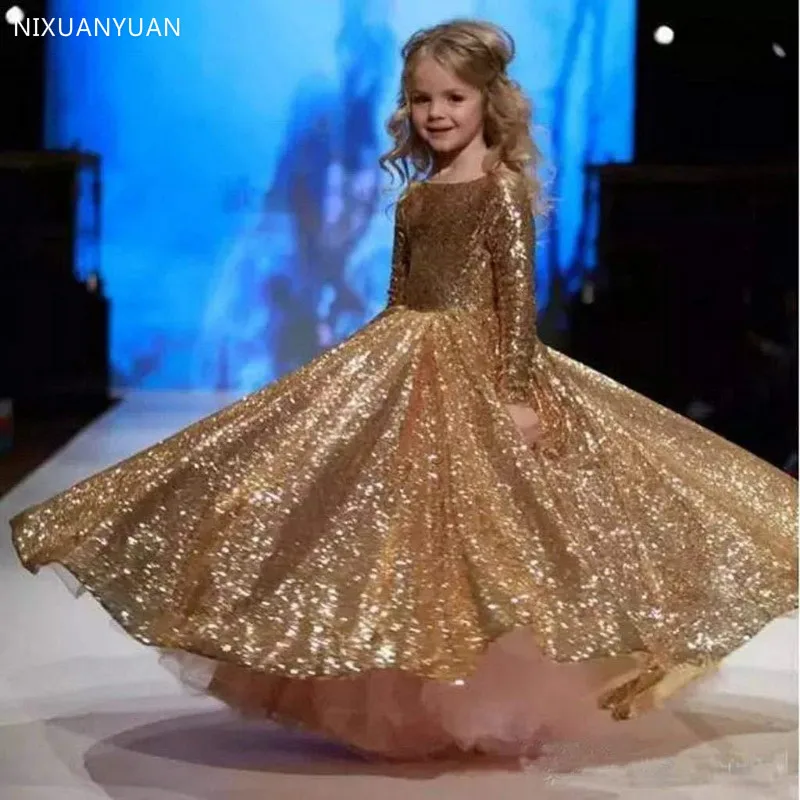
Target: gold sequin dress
367, 547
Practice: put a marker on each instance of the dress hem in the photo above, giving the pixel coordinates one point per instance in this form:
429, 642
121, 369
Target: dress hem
634, 690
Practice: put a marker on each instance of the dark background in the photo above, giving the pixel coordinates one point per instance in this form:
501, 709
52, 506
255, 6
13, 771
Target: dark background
695, 300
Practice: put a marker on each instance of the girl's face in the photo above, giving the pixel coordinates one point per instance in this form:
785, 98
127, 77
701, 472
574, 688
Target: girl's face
446, 113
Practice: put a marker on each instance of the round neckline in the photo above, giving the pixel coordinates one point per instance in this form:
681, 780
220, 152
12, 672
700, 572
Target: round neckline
457, 183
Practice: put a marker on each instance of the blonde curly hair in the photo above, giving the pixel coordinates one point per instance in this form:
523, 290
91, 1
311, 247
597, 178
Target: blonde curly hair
479, 54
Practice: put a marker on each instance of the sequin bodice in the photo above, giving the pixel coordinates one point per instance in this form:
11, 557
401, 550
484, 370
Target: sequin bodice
469, 246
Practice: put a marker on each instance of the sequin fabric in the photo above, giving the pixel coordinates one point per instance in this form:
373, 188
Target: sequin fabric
376, 509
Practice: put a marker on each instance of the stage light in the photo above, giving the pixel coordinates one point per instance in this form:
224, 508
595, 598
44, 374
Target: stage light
664, 34
778, 50
15, 15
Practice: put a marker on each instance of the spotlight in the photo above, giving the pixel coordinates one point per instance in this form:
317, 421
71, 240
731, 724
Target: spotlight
664, 34
15, 15
778, 50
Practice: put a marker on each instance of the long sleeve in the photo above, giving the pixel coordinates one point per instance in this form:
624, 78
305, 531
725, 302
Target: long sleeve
400, 260
511, 245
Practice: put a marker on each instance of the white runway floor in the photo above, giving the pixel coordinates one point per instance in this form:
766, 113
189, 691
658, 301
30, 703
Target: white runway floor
86, 712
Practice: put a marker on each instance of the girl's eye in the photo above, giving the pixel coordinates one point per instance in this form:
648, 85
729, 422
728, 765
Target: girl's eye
457, 98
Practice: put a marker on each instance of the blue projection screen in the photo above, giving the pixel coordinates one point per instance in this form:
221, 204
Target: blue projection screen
247, 226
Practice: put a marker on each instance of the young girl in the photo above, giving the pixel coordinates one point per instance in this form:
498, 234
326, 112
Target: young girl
441, 534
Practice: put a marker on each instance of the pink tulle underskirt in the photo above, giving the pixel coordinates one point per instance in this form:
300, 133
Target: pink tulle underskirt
515, 702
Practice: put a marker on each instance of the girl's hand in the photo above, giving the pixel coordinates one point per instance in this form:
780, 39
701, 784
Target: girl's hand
527, 420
